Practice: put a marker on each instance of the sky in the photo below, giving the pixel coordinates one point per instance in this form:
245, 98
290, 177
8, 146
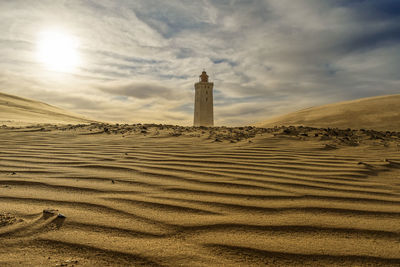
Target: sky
137, 61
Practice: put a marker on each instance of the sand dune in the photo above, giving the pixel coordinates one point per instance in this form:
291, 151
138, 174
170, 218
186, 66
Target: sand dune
378, 113
15, 110
167, 196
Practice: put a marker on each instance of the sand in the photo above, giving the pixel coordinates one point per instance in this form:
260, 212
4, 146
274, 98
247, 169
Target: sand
129, 195
18, 111
378, 113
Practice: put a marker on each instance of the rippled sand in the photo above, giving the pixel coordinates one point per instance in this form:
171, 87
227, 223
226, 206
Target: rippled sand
168, 196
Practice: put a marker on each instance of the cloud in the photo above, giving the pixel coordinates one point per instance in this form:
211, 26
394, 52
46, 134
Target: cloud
144, 90
265, 57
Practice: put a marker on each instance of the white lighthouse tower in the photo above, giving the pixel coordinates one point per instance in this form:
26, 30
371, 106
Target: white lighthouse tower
203, 102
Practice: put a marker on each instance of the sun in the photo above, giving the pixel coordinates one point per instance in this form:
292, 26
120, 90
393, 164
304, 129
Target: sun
58, 51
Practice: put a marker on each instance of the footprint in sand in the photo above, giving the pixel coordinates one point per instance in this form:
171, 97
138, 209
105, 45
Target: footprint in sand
48, 220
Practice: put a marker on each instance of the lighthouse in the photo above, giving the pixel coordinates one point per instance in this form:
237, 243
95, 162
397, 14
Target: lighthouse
203, 102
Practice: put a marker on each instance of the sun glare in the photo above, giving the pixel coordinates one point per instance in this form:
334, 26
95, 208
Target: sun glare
58, 51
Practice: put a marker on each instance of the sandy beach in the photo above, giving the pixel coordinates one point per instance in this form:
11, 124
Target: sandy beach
156, 195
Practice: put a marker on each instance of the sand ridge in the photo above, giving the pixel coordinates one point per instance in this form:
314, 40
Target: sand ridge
160, 195
379, 113
18, 111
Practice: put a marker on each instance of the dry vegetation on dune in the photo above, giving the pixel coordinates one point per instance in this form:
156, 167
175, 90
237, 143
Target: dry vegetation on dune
379, 113
157, 195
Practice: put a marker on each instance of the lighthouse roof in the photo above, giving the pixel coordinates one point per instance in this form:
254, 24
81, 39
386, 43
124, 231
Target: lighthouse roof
204, 76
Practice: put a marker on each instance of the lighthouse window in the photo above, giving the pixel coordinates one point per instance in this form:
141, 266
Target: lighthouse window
206, 99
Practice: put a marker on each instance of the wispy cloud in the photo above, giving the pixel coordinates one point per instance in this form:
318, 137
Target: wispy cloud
140, 59
145, 90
